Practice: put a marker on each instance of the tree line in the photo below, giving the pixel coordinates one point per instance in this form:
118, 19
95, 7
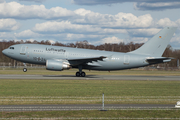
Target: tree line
115, 47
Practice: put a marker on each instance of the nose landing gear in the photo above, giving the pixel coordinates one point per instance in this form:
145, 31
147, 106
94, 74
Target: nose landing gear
24, 69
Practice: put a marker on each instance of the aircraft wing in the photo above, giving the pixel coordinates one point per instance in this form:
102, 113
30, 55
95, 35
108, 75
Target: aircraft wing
158, 60
78, 61
88, 59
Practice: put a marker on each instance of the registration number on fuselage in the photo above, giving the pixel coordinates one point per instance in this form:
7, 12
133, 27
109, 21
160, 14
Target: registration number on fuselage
39, 59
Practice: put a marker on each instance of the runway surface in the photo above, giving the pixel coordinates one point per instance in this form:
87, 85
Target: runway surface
90, 77
84, 107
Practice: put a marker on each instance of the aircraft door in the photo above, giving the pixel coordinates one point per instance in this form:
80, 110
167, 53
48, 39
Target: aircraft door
23, 50
126, 59
28, 52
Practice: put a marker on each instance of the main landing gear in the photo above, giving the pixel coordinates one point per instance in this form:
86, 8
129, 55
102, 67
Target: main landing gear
80, 73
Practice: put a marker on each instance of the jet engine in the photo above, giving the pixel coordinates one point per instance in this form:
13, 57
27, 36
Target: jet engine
57, 65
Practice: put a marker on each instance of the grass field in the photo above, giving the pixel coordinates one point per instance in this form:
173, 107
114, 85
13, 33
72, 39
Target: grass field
89, 92
89, 115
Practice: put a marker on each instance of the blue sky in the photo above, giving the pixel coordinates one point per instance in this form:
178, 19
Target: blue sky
97, 21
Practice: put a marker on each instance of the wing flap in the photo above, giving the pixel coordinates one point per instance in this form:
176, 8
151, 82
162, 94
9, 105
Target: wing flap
86, 61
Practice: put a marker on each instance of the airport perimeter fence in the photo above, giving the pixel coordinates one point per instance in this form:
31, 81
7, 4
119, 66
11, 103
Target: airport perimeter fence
20, 65
4, 66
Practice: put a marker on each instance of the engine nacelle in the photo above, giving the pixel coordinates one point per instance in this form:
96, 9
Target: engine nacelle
56, 65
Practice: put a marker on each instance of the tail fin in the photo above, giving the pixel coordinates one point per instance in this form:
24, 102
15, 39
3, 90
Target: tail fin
156, 46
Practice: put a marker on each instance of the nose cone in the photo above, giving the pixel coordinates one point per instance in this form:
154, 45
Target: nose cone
4, 52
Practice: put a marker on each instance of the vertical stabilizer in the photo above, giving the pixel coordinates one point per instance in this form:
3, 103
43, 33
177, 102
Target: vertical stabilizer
156, 46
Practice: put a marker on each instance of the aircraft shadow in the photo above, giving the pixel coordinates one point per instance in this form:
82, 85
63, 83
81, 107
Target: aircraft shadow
71, 76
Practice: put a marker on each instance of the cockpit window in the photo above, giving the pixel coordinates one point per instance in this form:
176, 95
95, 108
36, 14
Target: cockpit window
11, 47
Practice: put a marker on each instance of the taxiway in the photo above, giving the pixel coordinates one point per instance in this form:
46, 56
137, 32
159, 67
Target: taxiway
83, 107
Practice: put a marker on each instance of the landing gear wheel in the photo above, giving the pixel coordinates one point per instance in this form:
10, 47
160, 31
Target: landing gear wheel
78, 74
83, 74
25, 70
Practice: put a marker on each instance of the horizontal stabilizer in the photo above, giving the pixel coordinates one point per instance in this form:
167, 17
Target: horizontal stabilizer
158, 60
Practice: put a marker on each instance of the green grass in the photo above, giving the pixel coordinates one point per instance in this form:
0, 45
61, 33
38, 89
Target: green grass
88, 88
95, 114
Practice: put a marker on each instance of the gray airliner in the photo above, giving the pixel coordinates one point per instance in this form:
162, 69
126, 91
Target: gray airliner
61, 58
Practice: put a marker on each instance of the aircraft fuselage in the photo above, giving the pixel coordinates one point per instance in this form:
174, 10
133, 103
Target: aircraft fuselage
38, 54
